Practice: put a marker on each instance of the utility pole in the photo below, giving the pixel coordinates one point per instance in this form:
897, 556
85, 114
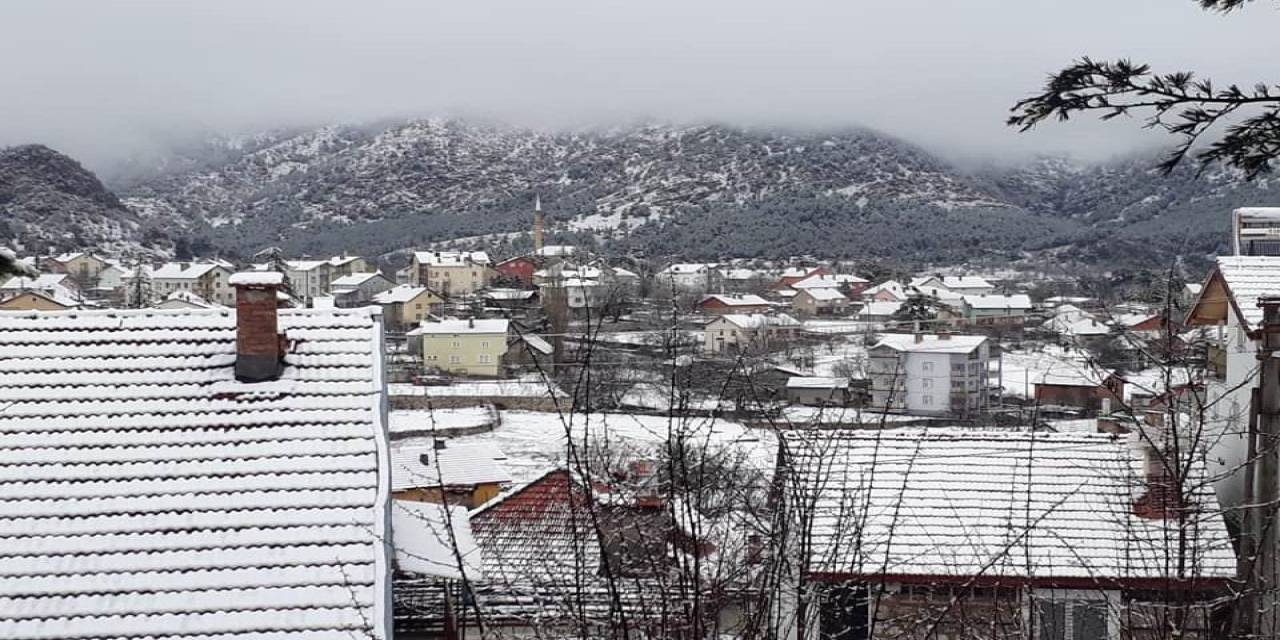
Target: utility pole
1267, 470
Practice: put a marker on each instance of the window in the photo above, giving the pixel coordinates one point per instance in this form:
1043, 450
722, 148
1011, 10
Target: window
485, 358
926, 383
457, 344
1070, 615
431, 357
484, 344
454, 359
927, 400
926, 367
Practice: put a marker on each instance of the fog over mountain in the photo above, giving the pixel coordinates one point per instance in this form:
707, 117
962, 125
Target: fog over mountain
107, 82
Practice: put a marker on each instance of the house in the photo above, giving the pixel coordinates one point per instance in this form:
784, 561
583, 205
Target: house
406, 306
739, 279
959, 285
721, 304
929, 374
359, 288
443, 472
736, 332
309, 278
512, 299
847, 284
451, 273
689, 276
887, 291
205, 279
84, 267
518, 269
820, 301
818, 391
1228, 304
36, 300
190, 474
995, 310
49, 291
792, 275
1086, 389
951, 533
468, 347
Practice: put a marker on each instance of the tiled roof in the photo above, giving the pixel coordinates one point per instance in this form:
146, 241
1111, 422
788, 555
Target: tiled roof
489, 325
955, 502
759, 320
1250, 278
823, 294
144, 492
538, 533
748, 300
1017, 301
354, 280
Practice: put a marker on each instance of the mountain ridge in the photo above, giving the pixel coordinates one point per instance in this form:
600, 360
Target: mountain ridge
693, 190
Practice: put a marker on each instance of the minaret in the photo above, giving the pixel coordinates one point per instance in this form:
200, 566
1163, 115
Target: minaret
538, 222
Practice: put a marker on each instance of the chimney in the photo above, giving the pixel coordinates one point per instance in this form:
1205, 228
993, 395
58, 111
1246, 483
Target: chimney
471, 323
538, 224
1161, 500
259, 345
919, 337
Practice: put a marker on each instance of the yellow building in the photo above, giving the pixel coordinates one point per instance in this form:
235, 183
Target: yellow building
407, 306
468, 347
35, 301
451, 272
84, 267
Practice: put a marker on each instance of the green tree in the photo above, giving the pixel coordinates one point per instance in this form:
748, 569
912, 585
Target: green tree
1178, 103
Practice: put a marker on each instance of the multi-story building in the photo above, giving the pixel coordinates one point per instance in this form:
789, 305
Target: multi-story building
470, 347
929, 373
205, 279
451, 273
406, 306
310, 279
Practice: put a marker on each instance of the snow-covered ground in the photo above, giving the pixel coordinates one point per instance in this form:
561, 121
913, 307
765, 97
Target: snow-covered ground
805, 416
536, 441
528, 388
838, 326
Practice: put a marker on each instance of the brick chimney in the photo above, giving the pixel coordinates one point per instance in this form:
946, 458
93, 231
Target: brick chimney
1161, 499
259, 344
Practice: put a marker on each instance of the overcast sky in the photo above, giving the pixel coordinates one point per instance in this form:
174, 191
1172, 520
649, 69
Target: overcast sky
102, 79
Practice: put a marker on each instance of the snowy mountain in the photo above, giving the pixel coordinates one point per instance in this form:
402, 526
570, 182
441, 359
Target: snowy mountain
697, 191
48, 200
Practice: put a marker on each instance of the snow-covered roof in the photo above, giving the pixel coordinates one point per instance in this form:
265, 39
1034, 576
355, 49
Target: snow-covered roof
892, 286
961, 503
880, 308
354, 280
489, 325
429, 538
400, 293
930, 342
190, 300
748, 300
815, 382
256, 278
738, 274
824, 294
817, 282
536, 343
509, 294
1082, 376
556, 250
1250, 278
147, 493
65, 301
41, 281
450, 258
687, 268
420, 466
759, 320
186, 270
1017, 301
955, 283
